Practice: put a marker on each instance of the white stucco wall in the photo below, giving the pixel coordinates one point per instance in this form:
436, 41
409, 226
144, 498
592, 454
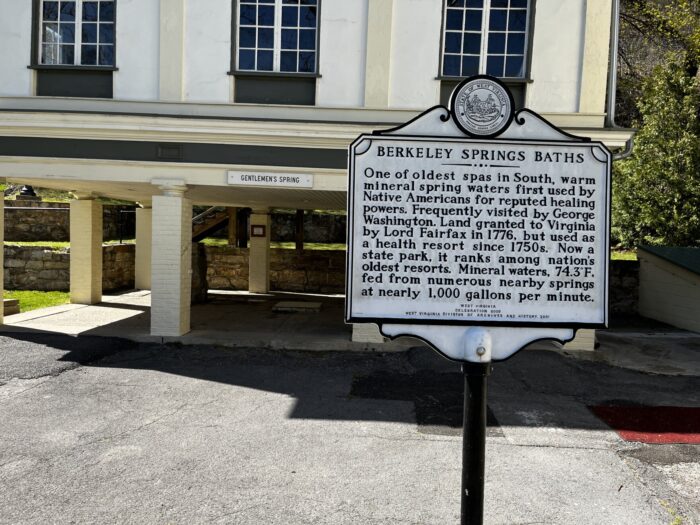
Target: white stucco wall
557, 53
137, 50
15, 43
415, 54
342, 53
207, 51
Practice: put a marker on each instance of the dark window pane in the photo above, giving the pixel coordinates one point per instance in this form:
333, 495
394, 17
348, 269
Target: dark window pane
497, 20
454, 19
67, 33
499, 3
266, 38
89, 33
264, 61
307, 39
89, 55
106, 33
497, 43
266, 1
247, 15
474, 19
50, 11
453, 42
455, 3
51, 34
295, 2
266, 15
450, 65
307, 62
289, 38
246, 59
106, 55
67, 54
67, 11
516, 43
518, 3
308, 2
246, 37
107, 11
470, 66
90, 11
288, 61
307, 16
475, 3
290, 16
517, 20
494, 66
472, 43
514, 67
49, 54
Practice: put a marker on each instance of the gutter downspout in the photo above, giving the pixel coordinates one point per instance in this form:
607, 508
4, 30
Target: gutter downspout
612, 82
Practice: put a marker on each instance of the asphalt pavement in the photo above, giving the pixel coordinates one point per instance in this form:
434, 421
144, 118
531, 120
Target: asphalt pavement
98, 430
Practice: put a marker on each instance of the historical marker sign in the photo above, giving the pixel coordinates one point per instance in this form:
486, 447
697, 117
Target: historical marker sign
450, 230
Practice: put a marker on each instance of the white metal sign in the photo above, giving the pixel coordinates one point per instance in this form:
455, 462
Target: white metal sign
280, 180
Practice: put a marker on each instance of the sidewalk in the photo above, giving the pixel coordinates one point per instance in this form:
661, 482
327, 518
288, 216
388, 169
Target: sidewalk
245, 320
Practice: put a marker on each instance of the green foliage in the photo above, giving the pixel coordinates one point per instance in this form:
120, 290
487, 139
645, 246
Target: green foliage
656, 193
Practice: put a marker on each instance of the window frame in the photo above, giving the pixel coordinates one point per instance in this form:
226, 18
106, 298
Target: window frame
234, 71
483, 55
37, 41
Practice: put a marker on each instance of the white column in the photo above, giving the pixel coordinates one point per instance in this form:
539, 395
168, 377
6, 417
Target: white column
259, 259
2, 249
142, 266
85, 251
380, 16
171, 262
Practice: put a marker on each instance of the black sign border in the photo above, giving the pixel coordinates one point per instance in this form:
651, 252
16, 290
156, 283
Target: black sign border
582, 141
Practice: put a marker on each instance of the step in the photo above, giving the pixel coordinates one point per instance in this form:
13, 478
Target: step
10, 306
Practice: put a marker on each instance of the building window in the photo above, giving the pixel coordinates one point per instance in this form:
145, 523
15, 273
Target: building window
277, 36
76, 33
485, 37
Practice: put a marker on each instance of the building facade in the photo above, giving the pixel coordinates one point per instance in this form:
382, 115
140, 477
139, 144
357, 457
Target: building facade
253, 103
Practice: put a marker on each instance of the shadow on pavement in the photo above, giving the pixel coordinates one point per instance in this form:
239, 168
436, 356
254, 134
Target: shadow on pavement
533, 389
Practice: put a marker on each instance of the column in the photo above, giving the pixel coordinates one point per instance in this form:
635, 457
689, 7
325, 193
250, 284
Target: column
171, 262
594, 68
85, 251
2, 249
378, 59
259, 258
144, 233
172, 50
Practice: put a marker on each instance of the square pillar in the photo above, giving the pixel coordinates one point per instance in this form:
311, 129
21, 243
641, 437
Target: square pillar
144, 233
85, 251
259, 259
171, 264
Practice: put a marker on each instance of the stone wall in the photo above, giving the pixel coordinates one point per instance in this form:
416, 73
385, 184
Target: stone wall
624, 287
45, 269
50, 221
313, 271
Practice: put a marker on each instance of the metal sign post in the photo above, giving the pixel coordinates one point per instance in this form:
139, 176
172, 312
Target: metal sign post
478, 230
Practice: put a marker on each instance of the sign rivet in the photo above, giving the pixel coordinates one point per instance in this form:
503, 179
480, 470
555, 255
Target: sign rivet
481, 350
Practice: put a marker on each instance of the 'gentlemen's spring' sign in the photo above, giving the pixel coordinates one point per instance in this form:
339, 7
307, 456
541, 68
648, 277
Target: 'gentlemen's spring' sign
450, 230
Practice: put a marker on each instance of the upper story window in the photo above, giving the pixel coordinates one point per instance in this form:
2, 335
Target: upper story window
76, 33
277, 36
485, 37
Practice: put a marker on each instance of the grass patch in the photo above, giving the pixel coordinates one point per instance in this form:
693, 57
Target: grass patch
623, 255
282, 245
33, 300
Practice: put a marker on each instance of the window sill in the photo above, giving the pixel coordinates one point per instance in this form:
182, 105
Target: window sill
273, 74
505, 80
73, 67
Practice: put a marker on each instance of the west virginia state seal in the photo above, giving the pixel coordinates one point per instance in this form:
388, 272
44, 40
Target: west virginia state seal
482, 106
